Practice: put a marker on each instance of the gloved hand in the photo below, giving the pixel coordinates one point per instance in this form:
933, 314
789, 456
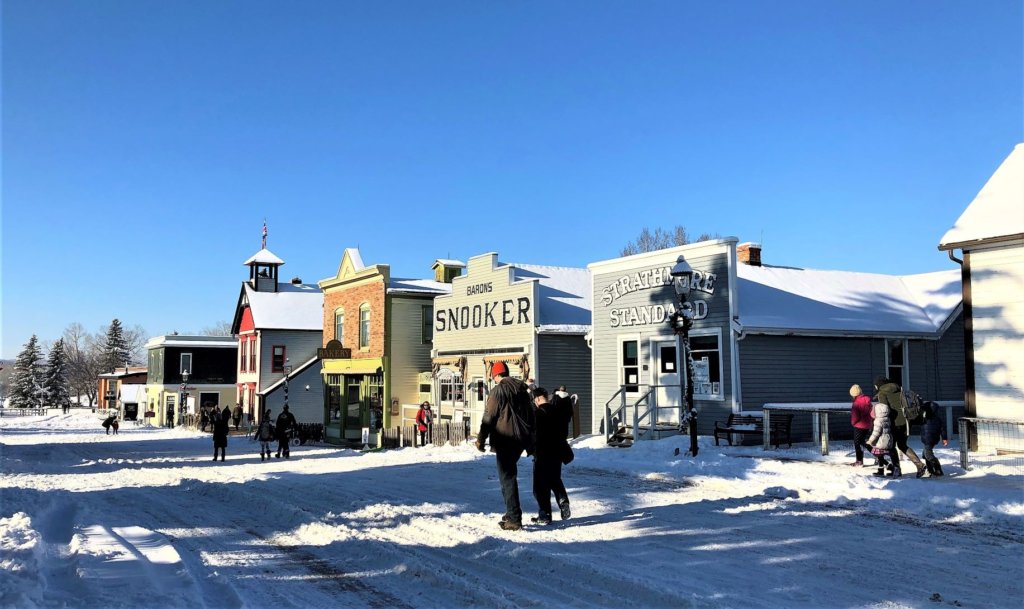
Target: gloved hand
479, 445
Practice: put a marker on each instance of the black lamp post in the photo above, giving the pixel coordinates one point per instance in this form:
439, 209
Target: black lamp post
183, 397
682, 321
287, 373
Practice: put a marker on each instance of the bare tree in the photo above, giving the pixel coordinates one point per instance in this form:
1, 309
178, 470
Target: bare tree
660, 239
221, 328
136, 338
83, 351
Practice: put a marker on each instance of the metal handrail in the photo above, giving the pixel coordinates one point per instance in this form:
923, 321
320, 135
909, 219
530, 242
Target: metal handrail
612, 417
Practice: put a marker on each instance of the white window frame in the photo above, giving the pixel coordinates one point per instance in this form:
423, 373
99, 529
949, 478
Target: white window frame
621, 367
339, 316
713, 397
904, 380
364, 337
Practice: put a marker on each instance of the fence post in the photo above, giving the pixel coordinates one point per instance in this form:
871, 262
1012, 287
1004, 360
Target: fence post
964, 459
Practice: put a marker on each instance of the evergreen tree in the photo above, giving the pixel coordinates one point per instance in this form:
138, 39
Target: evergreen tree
115, 349
55, 384
27, 381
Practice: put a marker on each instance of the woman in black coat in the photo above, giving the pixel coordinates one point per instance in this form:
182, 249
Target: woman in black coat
220, 433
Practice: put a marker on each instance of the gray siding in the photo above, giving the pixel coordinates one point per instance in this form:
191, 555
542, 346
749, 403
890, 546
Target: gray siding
606, 368
300, 345
306, 406
565, 360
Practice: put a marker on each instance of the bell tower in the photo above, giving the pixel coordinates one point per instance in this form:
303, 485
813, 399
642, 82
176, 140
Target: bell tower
263, 267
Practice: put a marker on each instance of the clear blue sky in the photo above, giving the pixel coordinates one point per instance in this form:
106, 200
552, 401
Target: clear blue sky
144, 142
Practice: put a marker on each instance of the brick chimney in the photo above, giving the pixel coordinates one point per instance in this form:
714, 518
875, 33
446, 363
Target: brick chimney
749, 253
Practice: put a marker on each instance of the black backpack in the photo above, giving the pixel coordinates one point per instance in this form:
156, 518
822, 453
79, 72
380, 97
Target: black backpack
911, 405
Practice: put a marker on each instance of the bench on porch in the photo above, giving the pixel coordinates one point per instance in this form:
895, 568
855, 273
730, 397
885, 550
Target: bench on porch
753, 425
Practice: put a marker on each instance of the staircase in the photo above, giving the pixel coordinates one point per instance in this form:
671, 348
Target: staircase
626, 424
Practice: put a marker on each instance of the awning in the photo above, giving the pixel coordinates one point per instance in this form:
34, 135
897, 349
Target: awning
368, 365
511, 359
457, 362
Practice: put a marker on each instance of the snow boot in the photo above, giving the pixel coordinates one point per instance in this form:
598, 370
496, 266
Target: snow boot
564, 508
510, 525
897, 471
916, 461
542, 518
936, 467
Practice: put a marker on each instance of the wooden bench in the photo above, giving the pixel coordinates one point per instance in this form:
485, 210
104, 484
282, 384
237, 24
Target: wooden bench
752, 425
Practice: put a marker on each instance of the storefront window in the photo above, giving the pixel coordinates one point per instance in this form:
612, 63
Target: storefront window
707, 366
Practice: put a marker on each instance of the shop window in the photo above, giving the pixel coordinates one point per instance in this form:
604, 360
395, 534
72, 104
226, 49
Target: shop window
895, 361
707, 366
630, 358
339, 325
451, 389
426, 326
277, 359
364, 326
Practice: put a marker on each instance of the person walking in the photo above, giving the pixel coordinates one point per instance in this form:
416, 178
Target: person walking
220, 433
265, 435
880, 440
424, 420
933, 430
236, 415
889, 394
508, 421
860, 419
115, 425
563, 402
285, 423
547, 459
107, 422
204, 418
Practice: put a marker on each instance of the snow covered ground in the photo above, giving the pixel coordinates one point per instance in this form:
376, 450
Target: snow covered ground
146, 519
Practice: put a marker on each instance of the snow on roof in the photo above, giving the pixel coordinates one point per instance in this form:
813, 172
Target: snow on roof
564, 294
806, 301
183, 340
291, 375
418, 286
264, 256
446, 262
292, 307
355, 257
997, 210
563, 329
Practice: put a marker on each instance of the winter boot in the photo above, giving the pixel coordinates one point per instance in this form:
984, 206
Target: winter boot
916, 461
564, 508
897, 471
543, 518
262, 457
510, 525
936, 467
882, 464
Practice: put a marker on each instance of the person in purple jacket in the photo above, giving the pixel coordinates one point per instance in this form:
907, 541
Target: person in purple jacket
860, 418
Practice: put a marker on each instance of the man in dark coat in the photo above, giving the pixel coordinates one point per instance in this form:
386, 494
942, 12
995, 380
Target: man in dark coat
220, 432
285, 423
933, 430
508, 421
547, 459
889, 394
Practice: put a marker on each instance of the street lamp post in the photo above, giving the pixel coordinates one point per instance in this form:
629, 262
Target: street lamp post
682, 321
182, 396
287, 373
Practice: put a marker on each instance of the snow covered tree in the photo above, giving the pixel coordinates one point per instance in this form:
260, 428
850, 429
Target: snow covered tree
27, 381
55, 382
115, 350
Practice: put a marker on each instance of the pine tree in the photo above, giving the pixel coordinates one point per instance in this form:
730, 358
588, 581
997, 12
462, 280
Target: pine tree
27, 381
115, 349
55, 383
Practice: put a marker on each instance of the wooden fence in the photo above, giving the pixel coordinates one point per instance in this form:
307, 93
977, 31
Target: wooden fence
439, 434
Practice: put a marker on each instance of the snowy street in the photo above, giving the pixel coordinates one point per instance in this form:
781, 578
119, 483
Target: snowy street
146, 519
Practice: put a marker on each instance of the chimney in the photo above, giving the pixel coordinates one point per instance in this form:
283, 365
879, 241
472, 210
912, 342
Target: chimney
296, 281
749, 253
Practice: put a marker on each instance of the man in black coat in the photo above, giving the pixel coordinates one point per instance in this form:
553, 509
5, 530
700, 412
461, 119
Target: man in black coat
509, 423
285, 423
547, 459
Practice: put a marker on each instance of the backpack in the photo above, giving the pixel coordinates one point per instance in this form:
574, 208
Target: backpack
910, 404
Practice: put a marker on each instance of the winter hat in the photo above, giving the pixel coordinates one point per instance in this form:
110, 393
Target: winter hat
855, 390
499, 368
540, 392
881, 380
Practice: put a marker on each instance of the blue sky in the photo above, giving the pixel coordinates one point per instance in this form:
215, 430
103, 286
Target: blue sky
145, 142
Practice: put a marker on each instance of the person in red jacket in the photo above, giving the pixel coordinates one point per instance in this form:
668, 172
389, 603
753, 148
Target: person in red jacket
860, 418
424, 419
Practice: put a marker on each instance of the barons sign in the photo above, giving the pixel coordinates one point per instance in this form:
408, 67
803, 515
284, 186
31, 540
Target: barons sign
495, 313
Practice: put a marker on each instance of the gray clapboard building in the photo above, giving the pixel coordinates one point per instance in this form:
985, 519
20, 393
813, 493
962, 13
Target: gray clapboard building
765, 334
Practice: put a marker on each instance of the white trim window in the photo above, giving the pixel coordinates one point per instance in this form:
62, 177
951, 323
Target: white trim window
706, 350
364, 326
339, 325
896, 361
629, 363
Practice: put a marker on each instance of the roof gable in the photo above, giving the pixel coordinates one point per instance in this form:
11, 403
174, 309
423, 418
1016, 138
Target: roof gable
997, 212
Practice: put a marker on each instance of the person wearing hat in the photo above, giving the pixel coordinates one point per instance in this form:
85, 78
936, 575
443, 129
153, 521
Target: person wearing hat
424, 419
508, 422
285, 423
547, 460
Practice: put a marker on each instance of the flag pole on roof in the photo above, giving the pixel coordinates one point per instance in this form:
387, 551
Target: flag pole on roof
264, 234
